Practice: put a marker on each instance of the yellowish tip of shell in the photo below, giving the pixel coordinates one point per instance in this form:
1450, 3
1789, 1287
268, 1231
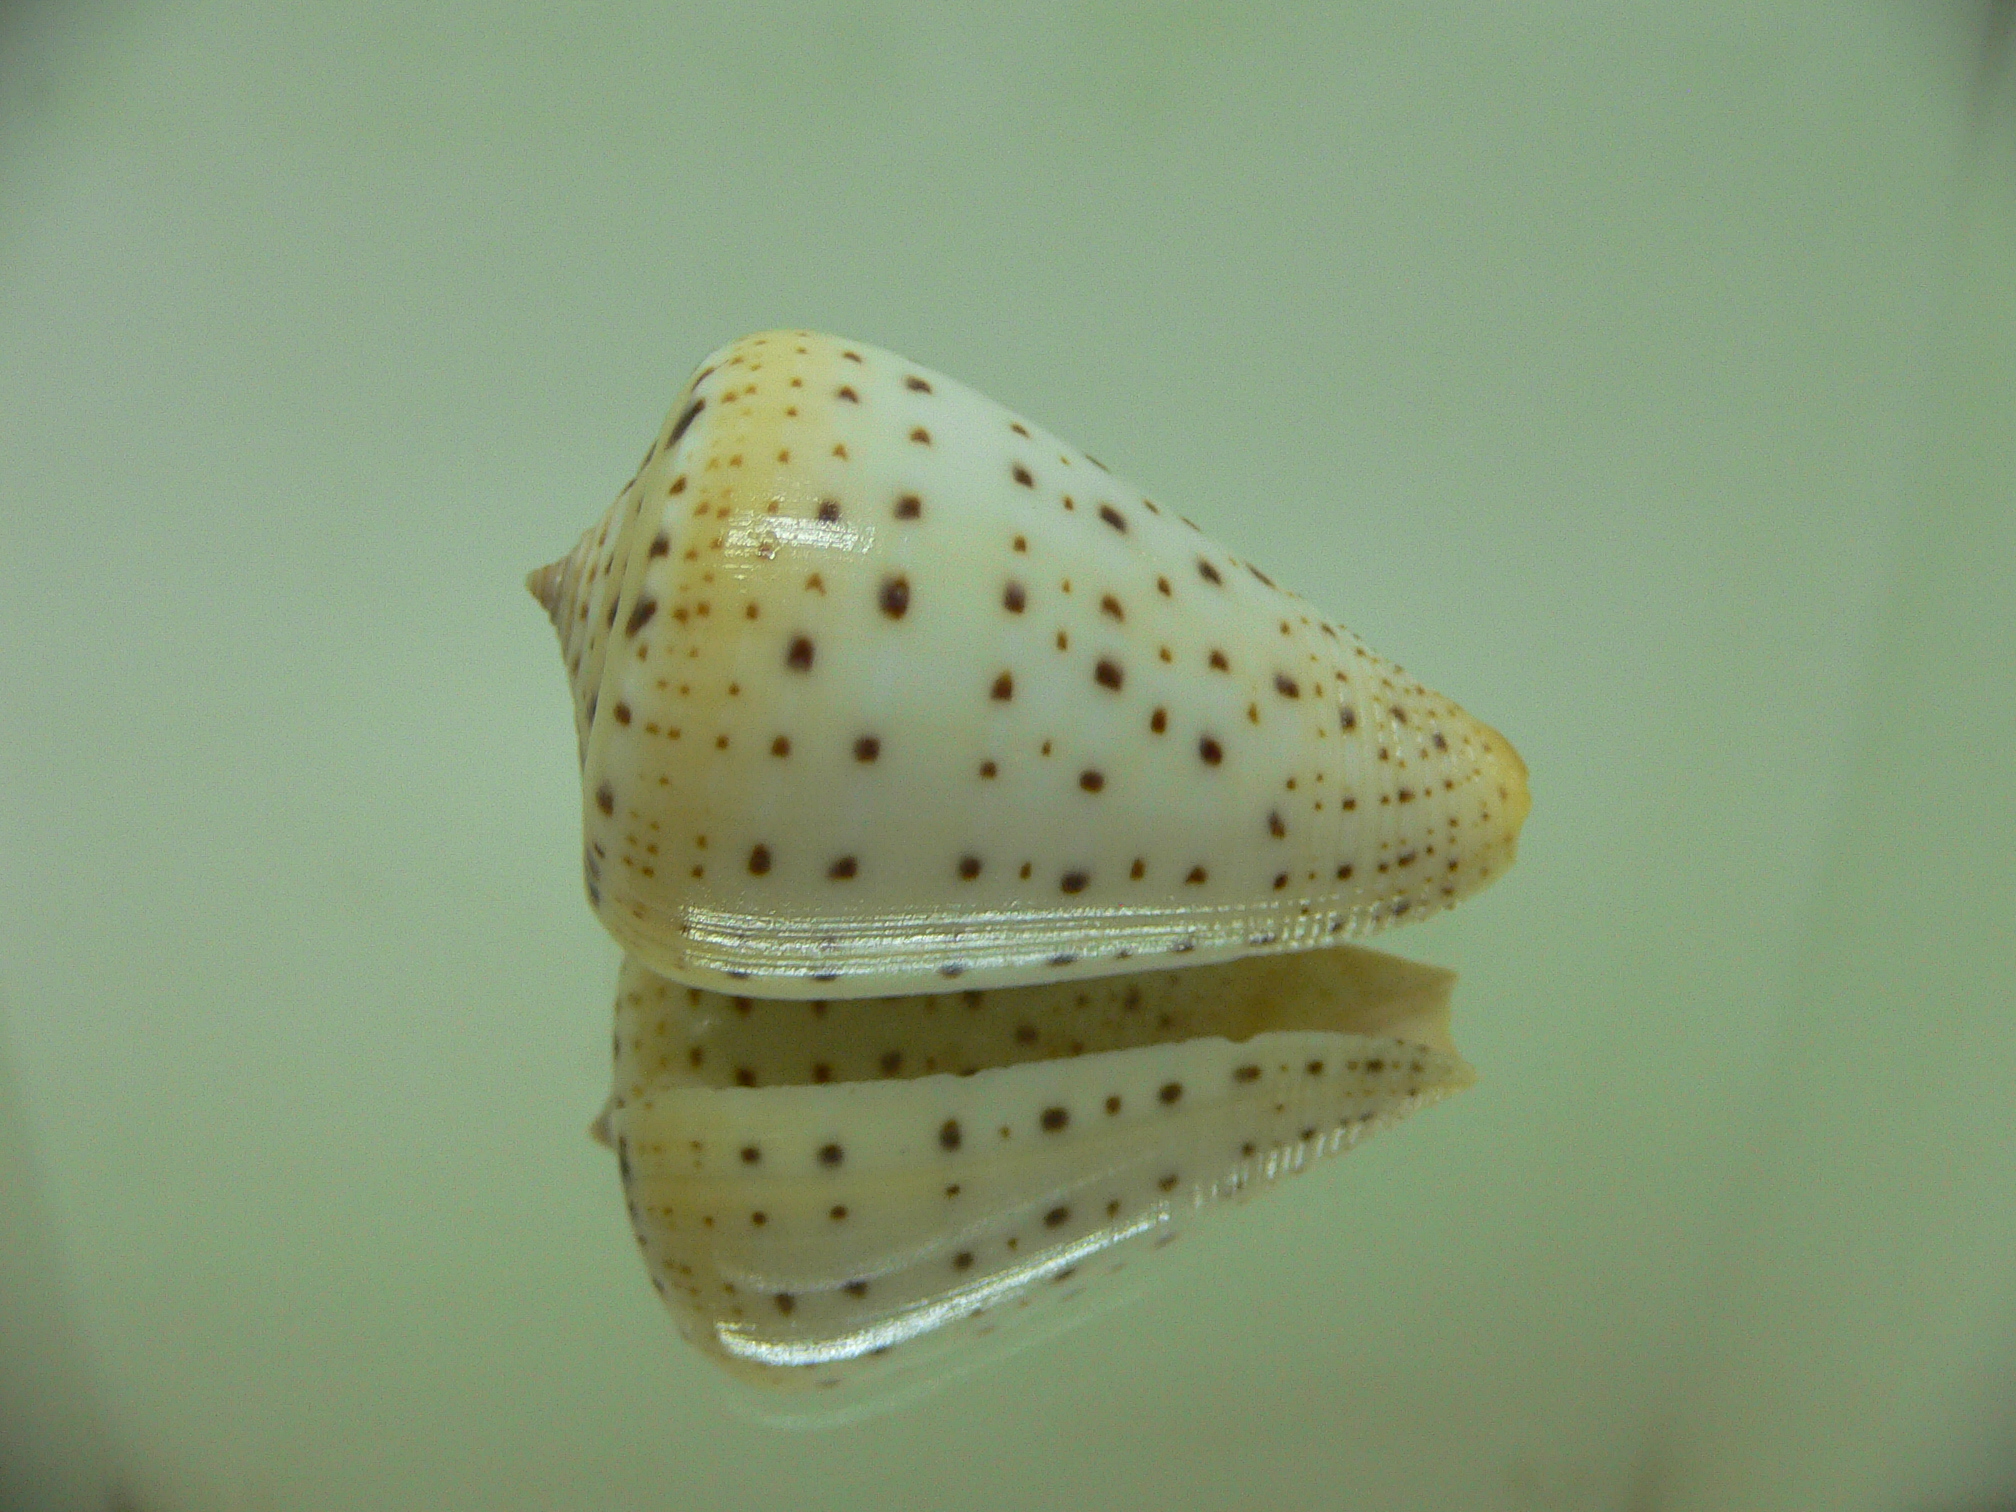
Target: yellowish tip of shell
1518, 799
544, 584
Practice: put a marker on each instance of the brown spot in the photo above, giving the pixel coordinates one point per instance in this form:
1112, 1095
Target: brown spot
1004, 687
842, 869
988, 769
909, 507
916, 385
830, 1155
781, 746
821, 1072
1022, 476
867, 748
963, 1260
1171, 1091
969, 867
1159, 721
1055, 1216
751, 1154
622, 713
799, 657
1347, 717
1440, 743
692, 413
1246, 1074
1286, 686
920, 435
1274, 825
660, 544
1012, 598
1055, 1119
1399, 714
848, 394
1197, 876
641, 615
1139, 869
1111, 605
948, 1134
759, 860
1107, 674
605, 798
1073, 881
1019, 428
1218, 662
829, 509
895, 596
1280, 881
1168, 1183
1211, 751
1021, 543
1091, 781
1112, 517
1207, 572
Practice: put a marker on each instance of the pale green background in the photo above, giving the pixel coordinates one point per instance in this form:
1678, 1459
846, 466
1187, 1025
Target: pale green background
1639, 376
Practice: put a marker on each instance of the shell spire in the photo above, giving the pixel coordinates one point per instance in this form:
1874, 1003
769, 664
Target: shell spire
880, 686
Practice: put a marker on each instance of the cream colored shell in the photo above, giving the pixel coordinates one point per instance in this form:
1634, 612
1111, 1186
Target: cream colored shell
879, 686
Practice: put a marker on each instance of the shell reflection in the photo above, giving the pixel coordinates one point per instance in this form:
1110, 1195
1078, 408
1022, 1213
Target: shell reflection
814, 1184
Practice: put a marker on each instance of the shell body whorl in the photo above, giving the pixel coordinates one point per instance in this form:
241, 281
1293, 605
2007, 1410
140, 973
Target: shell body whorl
880, 688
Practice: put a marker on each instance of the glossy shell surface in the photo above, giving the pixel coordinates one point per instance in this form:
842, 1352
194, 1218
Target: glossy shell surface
880, 686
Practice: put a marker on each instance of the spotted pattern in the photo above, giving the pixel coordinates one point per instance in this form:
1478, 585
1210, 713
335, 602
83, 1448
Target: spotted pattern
849, 608
795, 1218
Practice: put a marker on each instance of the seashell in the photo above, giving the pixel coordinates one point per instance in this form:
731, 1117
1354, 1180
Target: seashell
878, 685
816, 1185
881, 689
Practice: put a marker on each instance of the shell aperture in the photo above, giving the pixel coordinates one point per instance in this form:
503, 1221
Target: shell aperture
983, 841
879, 686
800, 1229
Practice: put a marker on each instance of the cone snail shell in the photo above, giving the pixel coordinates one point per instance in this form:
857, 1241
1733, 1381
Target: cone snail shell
878, 686
918, 751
